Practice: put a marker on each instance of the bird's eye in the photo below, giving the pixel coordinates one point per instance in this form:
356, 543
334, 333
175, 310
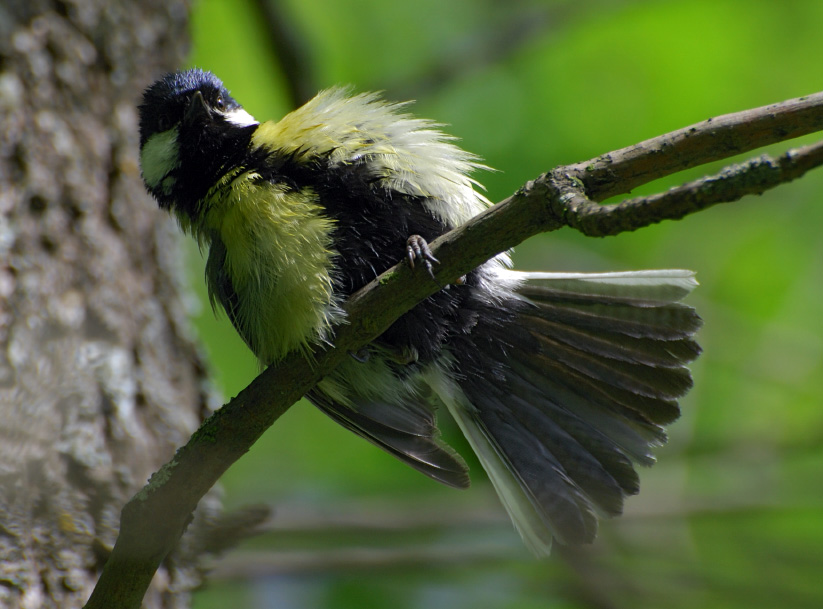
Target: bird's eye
219, 103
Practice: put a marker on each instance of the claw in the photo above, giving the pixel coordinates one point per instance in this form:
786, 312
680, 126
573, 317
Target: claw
418, 249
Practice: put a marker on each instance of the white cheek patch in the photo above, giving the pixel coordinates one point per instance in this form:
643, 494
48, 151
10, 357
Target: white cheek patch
159, 156
240, 117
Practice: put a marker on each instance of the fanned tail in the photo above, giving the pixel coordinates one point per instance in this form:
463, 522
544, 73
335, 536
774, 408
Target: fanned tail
560, 398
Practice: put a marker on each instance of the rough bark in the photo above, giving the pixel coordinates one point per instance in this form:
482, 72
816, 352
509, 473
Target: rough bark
99, 381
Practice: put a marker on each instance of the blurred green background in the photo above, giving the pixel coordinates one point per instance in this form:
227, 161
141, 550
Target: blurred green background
732, 514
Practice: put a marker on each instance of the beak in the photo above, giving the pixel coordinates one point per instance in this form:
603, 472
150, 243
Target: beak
197, 110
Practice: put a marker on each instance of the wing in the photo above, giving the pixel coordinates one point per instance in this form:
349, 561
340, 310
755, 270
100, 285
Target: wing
405, 429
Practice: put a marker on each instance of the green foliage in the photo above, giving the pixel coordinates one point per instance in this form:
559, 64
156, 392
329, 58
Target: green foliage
731, 516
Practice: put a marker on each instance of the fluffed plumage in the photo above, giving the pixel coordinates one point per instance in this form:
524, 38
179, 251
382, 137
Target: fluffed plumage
559, 381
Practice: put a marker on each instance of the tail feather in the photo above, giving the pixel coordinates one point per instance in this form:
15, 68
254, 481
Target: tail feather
578, 385
639, 379
575, 459
668, 322
646, 351
560, 497
600, 410
598, 444
511, 489
637, 288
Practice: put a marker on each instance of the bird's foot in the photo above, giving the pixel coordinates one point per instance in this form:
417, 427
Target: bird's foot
417, 249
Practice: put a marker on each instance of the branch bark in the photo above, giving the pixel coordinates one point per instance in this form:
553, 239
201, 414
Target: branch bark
154, 519
714, 139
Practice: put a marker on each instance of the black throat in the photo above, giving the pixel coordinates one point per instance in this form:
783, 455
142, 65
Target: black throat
208, 151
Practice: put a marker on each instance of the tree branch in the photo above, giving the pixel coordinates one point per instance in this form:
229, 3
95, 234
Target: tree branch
153, 521
714, 139
752, 177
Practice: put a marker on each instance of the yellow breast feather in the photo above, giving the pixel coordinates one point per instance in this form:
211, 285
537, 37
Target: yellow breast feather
285, 295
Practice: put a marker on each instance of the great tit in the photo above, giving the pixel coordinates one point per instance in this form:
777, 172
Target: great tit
559, 381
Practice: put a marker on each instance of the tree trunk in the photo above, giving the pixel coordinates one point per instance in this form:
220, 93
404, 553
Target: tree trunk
99, 380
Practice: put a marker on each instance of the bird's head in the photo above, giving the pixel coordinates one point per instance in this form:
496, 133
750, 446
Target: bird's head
191, 131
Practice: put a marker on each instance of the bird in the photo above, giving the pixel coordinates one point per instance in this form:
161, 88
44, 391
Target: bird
560, 382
